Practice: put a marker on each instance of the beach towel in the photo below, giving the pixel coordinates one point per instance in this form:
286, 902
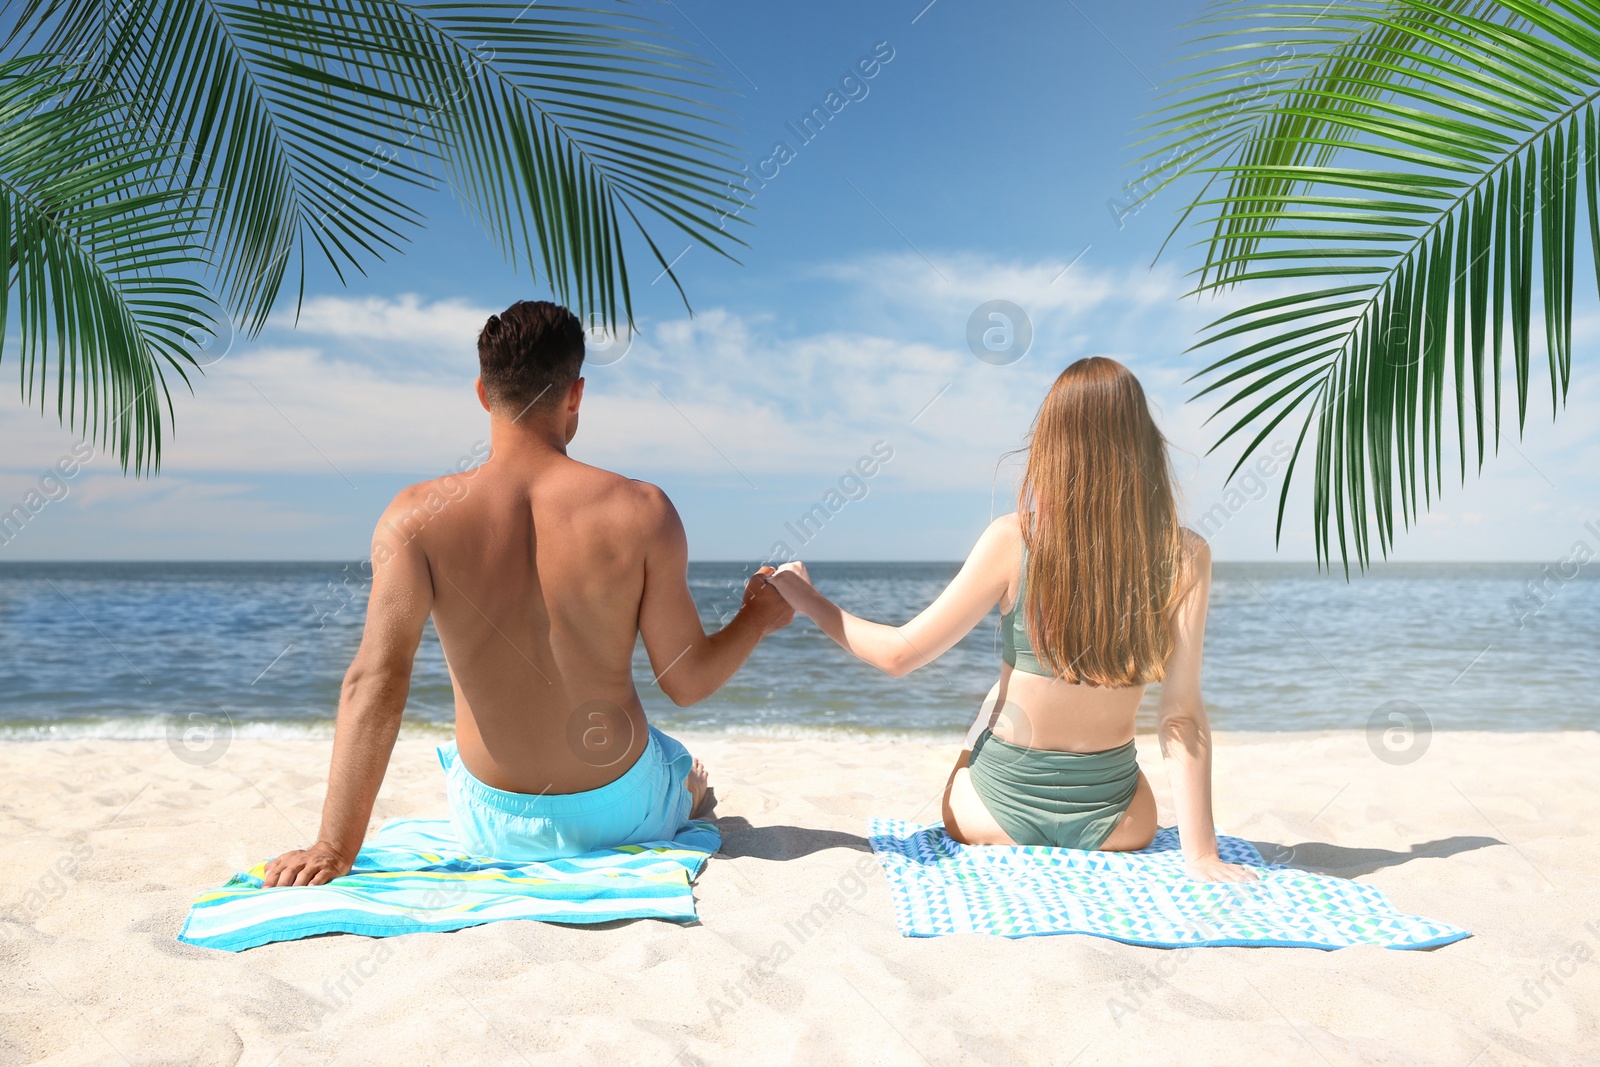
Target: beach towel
1142, 898
413, 877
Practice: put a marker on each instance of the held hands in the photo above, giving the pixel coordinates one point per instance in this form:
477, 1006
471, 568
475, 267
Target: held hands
311, 866
792, 581
1212, 869
764, 606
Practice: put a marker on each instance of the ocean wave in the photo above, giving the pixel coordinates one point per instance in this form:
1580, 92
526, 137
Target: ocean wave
163, 727
148, 728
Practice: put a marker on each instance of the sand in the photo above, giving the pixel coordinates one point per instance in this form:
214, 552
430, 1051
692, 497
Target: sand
108, 842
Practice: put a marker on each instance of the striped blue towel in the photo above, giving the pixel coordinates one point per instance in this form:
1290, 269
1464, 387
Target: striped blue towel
413, 877
1141, 898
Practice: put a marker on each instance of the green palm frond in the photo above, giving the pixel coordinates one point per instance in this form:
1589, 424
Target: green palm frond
569, 133
1394, 200
1275, 104
564, 130
102, 251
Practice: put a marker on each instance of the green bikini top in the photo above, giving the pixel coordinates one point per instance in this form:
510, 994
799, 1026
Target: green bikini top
1015, 647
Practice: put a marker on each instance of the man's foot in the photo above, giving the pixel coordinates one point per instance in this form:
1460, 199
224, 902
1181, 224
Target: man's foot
699, 785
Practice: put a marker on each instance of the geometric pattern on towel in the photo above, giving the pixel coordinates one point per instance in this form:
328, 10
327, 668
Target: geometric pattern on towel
413, 877
942, 887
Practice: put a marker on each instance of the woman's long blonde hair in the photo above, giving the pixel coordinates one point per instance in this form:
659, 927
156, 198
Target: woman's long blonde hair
1100, 522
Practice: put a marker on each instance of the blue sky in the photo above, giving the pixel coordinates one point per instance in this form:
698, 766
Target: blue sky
981, 164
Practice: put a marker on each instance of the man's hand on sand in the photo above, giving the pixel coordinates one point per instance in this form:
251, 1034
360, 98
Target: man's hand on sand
764, 604
310, 866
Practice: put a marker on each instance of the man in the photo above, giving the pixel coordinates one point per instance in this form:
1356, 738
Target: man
539, 579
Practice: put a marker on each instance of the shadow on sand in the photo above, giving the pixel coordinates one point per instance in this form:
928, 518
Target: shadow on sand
1319, 857
739, 838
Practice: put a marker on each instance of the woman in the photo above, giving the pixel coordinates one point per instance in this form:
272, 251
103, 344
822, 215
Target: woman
1103, 593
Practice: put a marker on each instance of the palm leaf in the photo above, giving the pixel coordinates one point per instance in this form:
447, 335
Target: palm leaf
102, 251
1411, 183
207, 143
564, 131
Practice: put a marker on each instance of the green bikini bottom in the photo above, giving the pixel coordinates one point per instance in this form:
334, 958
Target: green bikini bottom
1062, 799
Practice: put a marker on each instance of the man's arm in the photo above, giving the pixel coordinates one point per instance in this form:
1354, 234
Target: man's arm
690, 665
370, 705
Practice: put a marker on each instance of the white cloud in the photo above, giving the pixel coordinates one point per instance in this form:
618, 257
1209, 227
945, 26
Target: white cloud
405, 319
1072, 285
297, 409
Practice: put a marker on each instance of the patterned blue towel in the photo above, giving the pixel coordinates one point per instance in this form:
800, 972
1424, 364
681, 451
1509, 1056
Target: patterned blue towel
412, 877
1141, 898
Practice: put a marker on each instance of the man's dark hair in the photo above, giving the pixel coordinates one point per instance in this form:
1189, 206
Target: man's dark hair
530, 354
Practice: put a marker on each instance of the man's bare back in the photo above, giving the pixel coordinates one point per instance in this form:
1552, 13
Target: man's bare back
540, 573
544, 575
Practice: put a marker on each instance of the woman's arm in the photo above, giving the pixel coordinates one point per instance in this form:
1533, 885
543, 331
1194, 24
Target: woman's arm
1185, 733
899, 650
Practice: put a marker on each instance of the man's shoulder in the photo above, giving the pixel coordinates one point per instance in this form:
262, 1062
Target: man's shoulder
435, 492
416, 507
638, 501
649, 502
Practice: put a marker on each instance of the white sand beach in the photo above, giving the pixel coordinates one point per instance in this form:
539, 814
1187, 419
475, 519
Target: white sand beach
108, 842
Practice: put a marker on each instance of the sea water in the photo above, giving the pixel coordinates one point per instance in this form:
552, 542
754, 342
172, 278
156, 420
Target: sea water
126, 649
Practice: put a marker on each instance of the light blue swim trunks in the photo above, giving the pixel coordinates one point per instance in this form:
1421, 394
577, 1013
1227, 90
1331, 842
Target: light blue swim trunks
648, 803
